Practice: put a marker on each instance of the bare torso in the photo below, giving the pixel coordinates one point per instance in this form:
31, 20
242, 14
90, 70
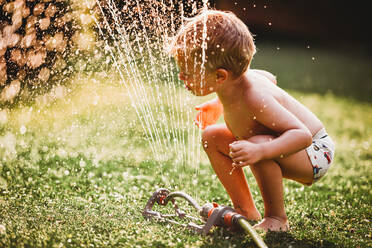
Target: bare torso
242, 122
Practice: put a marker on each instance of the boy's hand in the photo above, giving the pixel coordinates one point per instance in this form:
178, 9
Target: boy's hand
245, 153
208, 114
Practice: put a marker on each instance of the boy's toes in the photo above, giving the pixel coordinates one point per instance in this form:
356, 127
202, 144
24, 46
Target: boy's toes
259, 227
272, 224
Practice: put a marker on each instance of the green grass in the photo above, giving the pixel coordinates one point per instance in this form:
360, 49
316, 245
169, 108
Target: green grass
82, 172
76, 168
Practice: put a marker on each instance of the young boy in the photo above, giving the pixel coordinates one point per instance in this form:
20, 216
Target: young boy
266, 129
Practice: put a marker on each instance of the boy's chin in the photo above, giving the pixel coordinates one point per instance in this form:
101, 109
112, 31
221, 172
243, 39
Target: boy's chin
201, 93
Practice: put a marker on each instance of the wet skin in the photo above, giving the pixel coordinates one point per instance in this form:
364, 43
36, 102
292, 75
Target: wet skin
266, 129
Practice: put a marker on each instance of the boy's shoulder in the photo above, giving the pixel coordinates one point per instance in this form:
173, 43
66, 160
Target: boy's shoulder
260, 92
264, 73
255, 98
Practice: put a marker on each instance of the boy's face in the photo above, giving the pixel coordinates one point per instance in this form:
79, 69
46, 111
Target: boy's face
191, 74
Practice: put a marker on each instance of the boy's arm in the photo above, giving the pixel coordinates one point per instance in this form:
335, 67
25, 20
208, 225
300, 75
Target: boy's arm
209, 113
266, 74
293, 134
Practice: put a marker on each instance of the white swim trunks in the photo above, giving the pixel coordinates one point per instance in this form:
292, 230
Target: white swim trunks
321, 153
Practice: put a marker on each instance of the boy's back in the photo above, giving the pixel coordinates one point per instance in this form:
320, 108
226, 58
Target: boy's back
253, 93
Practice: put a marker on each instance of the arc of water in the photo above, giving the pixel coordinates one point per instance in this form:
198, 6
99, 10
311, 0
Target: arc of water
158, 137
152, 59
178, 121
144, 122
125, 41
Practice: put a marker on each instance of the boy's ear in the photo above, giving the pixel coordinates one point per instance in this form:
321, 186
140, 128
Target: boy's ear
222, 75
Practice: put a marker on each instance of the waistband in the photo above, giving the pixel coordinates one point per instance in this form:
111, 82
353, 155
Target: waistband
320, 134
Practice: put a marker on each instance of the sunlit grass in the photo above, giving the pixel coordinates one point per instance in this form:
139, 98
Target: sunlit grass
76, 170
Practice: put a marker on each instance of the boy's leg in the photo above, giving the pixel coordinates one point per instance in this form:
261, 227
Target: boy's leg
269, 175
216, 140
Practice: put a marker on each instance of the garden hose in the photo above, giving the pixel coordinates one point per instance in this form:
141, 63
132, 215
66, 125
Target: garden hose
212, 214
249, 229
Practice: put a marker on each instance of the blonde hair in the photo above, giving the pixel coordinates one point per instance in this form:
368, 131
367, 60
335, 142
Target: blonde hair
225, 39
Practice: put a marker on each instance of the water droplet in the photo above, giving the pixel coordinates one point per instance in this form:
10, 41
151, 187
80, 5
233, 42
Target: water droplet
22, 130
2, 229
82, 163
3, 117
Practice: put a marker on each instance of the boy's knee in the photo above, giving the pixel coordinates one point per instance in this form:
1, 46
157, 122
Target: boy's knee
209, 135
216, 136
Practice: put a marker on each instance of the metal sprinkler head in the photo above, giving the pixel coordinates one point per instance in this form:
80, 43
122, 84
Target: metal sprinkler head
212, 215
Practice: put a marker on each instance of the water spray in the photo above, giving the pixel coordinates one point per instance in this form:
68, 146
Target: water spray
212, 215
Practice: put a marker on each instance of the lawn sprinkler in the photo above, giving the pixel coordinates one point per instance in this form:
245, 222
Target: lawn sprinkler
212, 215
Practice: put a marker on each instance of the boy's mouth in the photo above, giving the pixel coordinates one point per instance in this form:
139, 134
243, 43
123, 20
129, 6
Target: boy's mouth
187, 87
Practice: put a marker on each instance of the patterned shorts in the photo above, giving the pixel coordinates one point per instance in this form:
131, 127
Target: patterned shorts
321, 153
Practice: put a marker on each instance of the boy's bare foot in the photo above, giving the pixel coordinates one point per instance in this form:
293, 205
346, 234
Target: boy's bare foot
274, 224
250, 215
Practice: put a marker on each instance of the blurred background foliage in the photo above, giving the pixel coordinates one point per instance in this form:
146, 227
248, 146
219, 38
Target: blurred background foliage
41, 42
312, 46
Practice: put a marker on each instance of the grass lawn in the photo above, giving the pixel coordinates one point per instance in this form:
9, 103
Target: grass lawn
76, 171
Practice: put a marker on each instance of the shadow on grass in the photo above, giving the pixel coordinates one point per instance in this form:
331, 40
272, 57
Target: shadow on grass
287, 240
272, 239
